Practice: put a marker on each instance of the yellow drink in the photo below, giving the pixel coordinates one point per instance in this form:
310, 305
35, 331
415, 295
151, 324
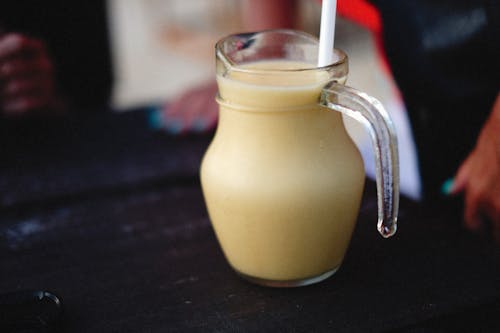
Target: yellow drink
282, 180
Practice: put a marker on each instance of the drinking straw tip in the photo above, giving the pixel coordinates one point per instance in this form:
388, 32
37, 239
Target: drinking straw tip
327, 32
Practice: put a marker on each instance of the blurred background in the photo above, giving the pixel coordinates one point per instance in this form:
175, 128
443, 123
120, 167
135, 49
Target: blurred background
161, 48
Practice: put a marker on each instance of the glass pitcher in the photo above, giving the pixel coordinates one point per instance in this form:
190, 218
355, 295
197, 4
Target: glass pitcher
282, 179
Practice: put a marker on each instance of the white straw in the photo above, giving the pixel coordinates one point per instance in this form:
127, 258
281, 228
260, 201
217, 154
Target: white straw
327, 32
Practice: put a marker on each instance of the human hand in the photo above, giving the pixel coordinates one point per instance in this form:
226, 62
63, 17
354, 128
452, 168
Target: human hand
260, 15
193, 111
26, 75
478, 178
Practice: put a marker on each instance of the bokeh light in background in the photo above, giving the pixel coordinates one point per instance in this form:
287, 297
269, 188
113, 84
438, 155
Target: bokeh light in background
163, 47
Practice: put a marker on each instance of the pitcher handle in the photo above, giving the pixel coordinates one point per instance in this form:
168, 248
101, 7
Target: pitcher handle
372, 114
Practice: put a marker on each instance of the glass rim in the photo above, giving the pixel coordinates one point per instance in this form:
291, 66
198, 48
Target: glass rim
342, 56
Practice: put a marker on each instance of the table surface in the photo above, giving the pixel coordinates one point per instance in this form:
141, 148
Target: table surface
109, 215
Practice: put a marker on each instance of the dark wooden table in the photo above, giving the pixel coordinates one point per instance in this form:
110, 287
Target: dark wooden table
109, 215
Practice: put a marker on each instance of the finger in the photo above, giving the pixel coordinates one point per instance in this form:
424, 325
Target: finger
202, 113
472, 217
461, 177
212, 119
192, 113
13, 44
195, 110
20, 86
196, 116
207, 120
22, 67
23, 105
493, 212
171, 117
178, 114
492, 208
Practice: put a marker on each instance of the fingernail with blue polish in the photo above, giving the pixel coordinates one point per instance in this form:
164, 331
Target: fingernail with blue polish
155, 118
199, 125
447, 186
173, 126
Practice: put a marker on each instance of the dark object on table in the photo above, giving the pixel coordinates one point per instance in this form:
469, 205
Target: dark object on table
29, 311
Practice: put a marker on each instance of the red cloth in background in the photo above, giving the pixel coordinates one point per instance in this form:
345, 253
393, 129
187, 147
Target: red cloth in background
365, 14
361, 12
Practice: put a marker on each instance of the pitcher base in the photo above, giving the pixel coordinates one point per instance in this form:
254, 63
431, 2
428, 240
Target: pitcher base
288, 283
